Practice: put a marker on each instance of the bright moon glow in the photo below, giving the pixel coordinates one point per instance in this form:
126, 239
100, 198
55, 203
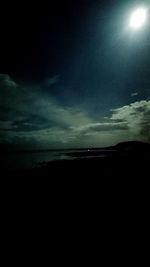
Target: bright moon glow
138, 18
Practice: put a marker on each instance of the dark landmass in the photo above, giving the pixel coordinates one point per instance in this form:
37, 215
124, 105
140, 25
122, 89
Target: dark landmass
133, 146
130, 159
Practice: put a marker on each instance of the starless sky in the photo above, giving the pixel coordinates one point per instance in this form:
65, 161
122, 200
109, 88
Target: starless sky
73, 73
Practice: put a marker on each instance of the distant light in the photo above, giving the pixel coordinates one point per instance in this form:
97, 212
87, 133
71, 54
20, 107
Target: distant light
138, 18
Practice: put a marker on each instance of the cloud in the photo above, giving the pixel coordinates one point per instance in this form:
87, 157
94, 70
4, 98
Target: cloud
130, 122
6, 81
29, 116
102, 127
134, 94
53, 80
137, 117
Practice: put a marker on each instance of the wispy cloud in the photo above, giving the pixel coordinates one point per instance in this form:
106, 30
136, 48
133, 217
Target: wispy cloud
137, 117
134, 94
53, 80
101, 127
28, 116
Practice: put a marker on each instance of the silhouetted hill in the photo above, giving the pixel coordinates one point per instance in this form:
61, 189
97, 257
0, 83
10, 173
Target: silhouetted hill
133, 147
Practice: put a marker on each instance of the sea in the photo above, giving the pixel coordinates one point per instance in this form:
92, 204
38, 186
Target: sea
23, 160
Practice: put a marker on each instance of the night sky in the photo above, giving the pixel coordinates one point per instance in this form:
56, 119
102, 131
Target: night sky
73, 74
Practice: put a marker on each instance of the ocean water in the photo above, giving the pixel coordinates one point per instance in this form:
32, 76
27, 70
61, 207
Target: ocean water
24, 160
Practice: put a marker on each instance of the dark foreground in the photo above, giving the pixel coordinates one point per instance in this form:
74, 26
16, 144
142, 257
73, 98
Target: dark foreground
104, 196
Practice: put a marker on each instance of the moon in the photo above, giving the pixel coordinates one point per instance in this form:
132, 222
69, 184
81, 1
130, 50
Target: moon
138, 18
